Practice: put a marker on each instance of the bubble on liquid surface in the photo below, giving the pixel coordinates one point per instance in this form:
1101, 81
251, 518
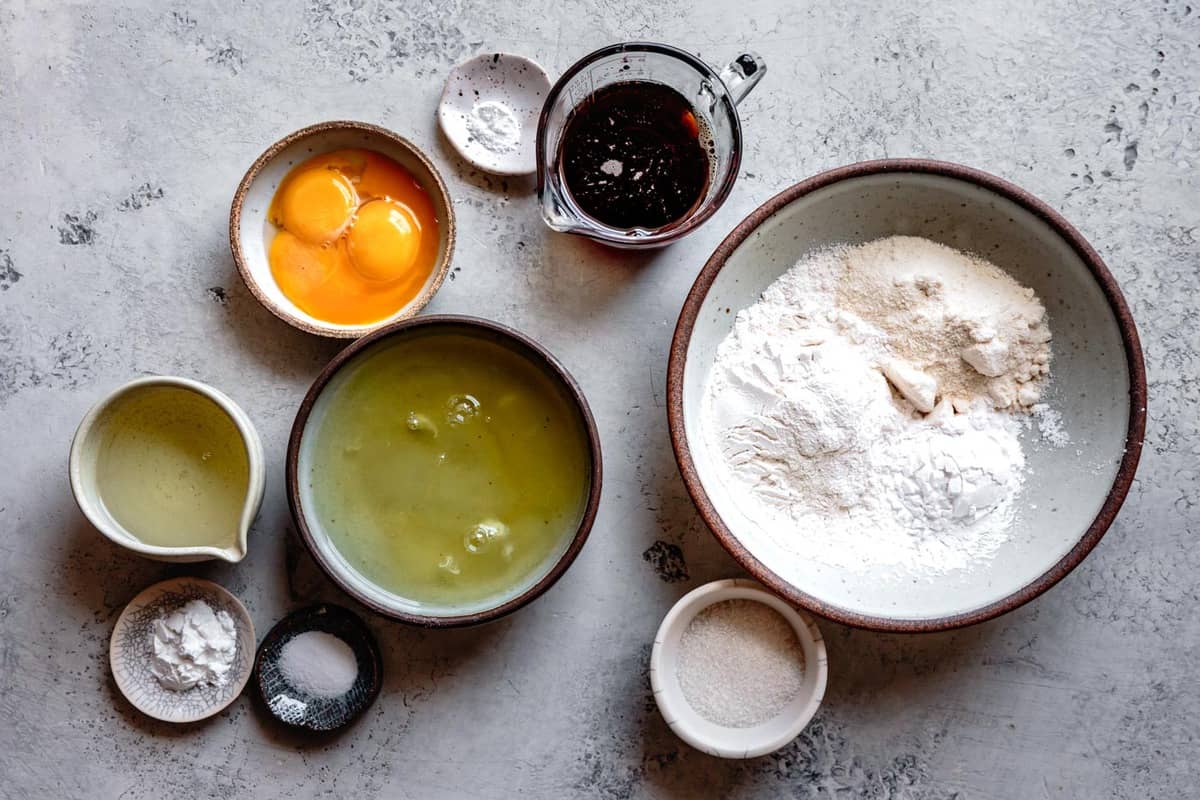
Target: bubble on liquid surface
485, 535
420, 423
448, 564
461, 409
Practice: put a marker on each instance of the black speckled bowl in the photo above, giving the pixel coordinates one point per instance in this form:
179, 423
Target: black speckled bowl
297, 708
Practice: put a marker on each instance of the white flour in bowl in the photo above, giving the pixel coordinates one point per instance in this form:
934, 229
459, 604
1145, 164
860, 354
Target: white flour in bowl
866, 410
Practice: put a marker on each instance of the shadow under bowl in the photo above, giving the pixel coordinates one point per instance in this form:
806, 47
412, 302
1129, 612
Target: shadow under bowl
1098, 384
251, 232
333, 562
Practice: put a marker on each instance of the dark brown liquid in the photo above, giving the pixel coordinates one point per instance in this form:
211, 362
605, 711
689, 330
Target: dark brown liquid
633, 156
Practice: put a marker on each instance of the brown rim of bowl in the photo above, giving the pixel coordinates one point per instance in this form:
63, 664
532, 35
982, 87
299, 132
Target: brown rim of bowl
531, 349
1116, 301
235, 224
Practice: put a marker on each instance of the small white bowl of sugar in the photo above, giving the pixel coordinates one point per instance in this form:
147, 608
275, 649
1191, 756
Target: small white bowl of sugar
736, 671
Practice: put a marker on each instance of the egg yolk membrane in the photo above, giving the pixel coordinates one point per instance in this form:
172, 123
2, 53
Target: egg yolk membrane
384, 241
357, 237
317, 205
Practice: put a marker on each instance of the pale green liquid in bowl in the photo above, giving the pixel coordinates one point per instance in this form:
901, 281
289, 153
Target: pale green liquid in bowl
447, 468
172, 468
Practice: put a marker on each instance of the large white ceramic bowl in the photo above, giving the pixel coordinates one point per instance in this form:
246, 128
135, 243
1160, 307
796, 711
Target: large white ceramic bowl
1098, 383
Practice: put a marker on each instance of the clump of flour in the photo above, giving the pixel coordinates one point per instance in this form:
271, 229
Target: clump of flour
867, 401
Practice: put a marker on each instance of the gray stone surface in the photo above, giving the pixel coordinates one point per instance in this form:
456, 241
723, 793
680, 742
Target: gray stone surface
125, 128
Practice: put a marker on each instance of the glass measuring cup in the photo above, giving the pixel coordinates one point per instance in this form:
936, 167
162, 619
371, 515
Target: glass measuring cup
714, 97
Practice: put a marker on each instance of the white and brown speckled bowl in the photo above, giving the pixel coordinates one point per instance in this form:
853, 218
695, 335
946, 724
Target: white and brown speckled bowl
1098, 384
250, 232
516, 81
130, 652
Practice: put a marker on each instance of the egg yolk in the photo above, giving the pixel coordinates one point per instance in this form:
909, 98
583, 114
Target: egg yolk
309, 265
357, 237
316, 205
384, 241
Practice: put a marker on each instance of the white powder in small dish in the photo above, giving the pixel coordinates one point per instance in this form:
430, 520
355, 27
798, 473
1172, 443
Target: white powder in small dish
319, 664
494, 126
193, 646
740, 663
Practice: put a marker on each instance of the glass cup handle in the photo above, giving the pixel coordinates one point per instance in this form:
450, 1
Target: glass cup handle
743, 74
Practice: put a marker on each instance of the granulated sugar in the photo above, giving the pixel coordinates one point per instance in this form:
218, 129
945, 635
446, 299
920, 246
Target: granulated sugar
740, 663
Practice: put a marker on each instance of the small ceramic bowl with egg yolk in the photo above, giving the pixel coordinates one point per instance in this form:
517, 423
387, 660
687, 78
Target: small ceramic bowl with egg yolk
341, 228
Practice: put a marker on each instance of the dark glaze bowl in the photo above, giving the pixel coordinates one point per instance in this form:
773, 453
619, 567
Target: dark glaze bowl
1098, 383
293, 706
365, 591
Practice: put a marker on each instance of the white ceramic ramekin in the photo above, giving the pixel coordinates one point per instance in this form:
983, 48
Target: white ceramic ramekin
719, 740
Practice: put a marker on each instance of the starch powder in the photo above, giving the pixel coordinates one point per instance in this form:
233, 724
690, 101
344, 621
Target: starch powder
193, 645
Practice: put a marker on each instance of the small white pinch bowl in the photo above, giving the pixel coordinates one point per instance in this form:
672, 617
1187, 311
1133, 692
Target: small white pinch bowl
718, 740
251, 232
85, 452
131, 653
517, 82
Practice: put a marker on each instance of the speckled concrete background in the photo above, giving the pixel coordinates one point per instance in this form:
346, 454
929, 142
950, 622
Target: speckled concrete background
124, 130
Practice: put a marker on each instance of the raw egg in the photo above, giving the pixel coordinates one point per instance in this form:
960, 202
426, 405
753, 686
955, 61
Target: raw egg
357, 238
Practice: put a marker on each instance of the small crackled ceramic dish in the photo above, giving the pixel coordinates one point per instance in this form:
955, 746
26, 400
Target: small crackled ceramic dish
95, 438
131, 652
251, 232
489, 111
719, 740
294, 705
1098, 384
